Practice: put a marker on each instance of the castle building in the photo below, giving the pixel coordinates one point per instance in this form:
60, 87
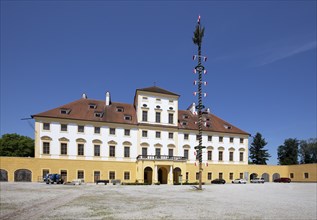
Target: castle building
149, 141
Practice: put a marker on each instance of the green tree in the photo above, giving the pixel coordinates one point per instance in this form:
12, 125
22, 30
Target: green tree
14, 145
258, 154
287, 154
308, 151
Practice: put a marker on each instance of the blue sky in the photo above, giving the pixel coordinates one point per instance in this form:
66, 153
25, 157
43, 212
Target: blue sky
261, 59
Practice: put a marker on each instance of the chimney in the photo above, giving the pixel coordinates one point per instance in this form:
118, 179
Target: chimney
108, 100
84, 96
192, 108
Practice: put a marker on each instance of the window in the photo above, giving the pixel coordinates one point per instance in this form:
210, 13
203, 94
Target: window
63, 149
220, 139
170, 152
241, 156
209, 138
112, 175
144, 151
80, 149
170, 135
231, 176
197, 175
241, 140
97, 130
187, 175
158, 152
185, 116
158, 117
186, 154
63, 127
80, 174
241, 175
98, 114
45, 172
120, 109
46, 126
127, 132
306, 175
65, 111
126, 175
126, 151
184, 123
97, 150
209, 176
144, 133
291, 175
170, 118
112, 151
220, 155
46, 148
128, 117
158, 134
81, 128
112, 131
96, 176
92, 106
144, 98
231, 139
186, 136
220, 175
144, 115
230, 156
209, 155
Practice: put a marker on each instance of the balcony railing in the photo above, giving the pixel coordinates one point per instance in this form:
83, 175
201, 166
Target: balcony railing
161, 157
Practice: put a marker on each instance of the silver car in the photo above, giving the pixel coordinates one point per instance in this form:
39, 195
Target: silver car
240, 181
257, 180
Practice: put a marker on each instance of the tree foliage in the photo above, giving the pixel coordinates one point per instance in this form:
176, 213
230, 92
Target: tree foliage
14, 145
198, 35
287, 154
308, 151
258, 154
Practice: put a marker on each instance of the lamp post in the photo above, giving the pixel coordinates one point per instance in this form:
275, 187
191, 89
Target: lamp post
197, 39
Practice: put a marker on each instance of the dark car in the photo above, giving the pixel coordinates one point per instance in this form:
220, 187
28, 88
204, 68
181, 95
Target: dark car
282, 180
218, 181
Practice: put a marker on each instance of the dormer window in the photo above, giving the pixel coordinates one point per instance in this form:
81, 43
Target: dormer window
92, 106
98, 114
184, 123
128, 117
185, 116
65, 111
227, 126
120, 109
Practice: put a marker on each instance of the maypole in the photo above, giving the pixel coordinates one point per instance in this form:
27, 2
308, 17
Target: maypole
197, 39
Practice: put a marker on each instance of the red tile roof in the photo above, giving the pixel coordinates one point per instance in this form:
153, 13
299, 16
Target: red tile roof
80, 110
157, 89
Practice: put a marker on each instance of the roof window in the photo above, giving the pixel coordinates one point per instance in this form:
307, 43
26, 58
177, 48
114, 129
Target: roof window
128, 117
227, 127
184, 123
92, 106
120, 109
65, 111
185, 116
98, 114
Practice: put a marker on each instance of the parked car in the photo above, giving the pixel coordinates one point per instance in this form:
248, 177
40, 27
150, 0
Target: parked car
282, 180
257, 180
243, 181
218, 181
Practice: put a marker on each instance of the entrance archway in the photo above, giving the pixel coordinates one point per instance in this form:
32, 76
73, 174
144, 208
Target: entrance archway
253, 175
148, 175
276, 176
3, 175
176, 173
22, 175
162, 175
266, 177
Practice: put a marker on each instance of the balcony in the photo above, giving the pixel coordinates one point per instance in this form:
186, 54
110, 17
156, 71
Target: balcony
162, 157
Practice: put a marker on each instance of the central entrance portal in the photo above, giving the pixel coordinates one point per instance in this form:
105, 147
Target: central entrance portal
162, 175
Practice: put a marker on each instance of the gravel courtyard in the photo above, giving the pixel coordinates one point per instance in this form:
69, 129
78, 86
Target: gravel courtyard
229, 201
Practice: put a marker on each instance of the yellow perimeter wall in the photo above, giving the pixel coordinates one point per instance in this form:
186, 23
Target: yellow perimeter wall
136, 169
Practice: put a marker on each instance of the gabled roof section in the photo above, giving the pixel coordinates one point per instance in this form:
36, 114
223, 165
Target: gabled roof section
93, 110
188, 120
159, 90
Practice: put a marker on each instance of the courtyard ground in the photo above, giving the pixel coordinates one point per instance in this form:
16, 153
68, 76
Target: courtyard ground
90, 201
